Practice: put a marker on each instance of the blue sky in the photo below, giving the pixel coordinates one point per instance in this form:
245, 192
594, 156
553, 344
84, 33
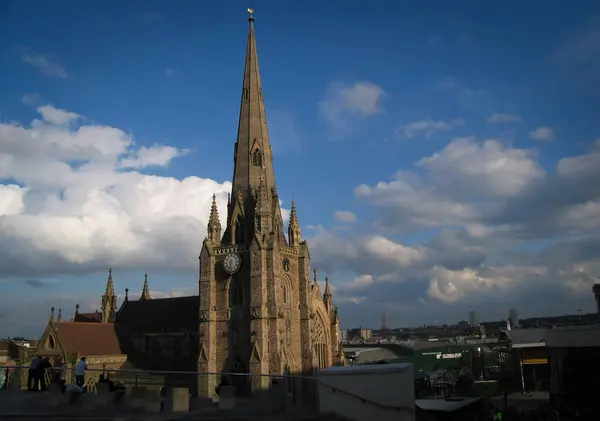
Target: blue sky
456, 139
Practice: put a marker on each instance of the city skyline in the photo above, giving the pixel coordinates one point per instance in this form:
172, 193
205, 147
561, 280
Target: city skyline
430, 173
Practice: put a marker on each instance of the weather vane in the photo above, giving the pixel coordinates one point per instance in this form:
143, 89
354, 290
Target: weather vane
251, 11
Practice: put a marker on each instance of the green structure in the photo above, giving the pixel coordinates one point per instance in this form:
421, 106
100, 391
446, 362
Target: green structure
431, 359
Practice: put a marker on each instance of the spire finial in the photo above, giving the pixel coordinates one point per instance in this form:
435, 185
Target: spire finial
315, 275
145, 289
110, 272
126, 294
327, 295
251, 11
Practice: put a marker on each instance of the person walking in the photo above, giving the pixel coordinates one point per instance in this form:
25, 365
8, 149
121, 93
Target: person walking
80, 369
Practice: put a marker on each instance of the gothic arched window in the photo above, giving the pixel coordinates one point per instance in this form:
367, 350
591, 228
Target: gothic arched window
257, 158
286, 265
284, 294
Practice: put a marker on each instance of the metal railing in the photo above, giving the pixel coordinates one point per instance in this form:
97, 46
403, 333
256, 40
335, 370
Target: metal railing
296, 388
301, 389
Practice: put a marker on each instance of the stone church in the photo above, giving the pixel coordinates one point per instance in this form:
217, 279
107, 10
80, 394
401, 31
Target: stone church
259, 310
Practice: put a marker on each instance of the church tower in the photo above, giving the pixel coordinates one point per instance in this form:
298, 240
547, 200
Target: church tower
109, 301
259, 311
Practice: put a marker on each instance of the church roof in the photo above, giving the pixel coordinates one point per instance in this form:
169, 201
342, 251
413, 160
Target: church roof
95, 317
174, 314
88, 338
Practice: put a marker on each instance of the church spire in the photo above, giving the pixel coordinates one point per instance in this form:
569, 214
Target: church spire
294, 227
214, 224
327, 296
253, 158
110, 287
109, 301
145, 289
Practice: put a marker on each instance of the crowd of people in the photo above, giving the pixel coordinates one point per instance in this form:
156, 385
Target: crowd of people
41, 371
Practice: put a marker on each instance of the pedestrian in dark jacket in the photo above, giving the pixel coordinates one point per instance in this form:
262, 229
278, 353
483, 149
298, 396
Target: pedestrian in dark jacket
33, 378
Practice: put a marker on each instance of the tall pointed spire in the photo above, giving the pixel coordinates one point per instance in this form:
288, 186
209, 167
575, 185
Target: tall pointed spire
145, 289
327, 296
294, 227
214, 224
109, 301
253, 157
110, 286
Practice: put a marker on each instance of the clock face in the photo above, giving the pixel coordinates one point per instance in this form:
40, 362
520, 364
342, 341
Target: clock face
232, 263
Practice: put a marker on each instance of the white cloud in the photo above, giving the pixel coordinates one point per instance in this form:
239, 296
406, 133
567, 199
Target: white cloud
12, 199
504, 118
80, 208
429, 127
580, 166
343, 103
385, 249
542, 133
457, 185
344, 217
452, 285
57, 116
156, 155
488, 167
45, 64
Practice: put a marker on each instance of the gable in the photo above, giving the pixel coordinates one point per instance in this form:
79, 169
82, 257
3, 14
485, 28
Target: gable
49, 343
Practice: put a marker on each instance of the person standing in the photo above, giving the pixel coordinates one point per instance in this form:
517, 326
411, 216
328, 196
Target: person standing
44, 370
33, 377
80, 372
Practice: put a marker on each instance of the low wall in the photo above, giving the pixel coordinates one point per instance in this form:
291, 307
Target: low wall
365, 393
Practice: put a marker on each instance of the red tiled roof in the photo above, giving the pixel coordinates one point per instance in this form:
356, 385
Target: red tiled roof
89, 338
95, 317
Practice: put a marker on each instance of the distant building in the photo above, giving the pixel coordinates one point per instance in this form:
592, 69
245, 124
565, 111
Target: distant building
473, 320
366, 334
513, 318
596, 290
344, 334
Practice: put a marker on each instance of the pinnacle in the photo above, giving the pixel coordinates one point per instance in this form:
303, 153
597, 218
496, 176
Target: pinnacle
110, 289
145, 289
